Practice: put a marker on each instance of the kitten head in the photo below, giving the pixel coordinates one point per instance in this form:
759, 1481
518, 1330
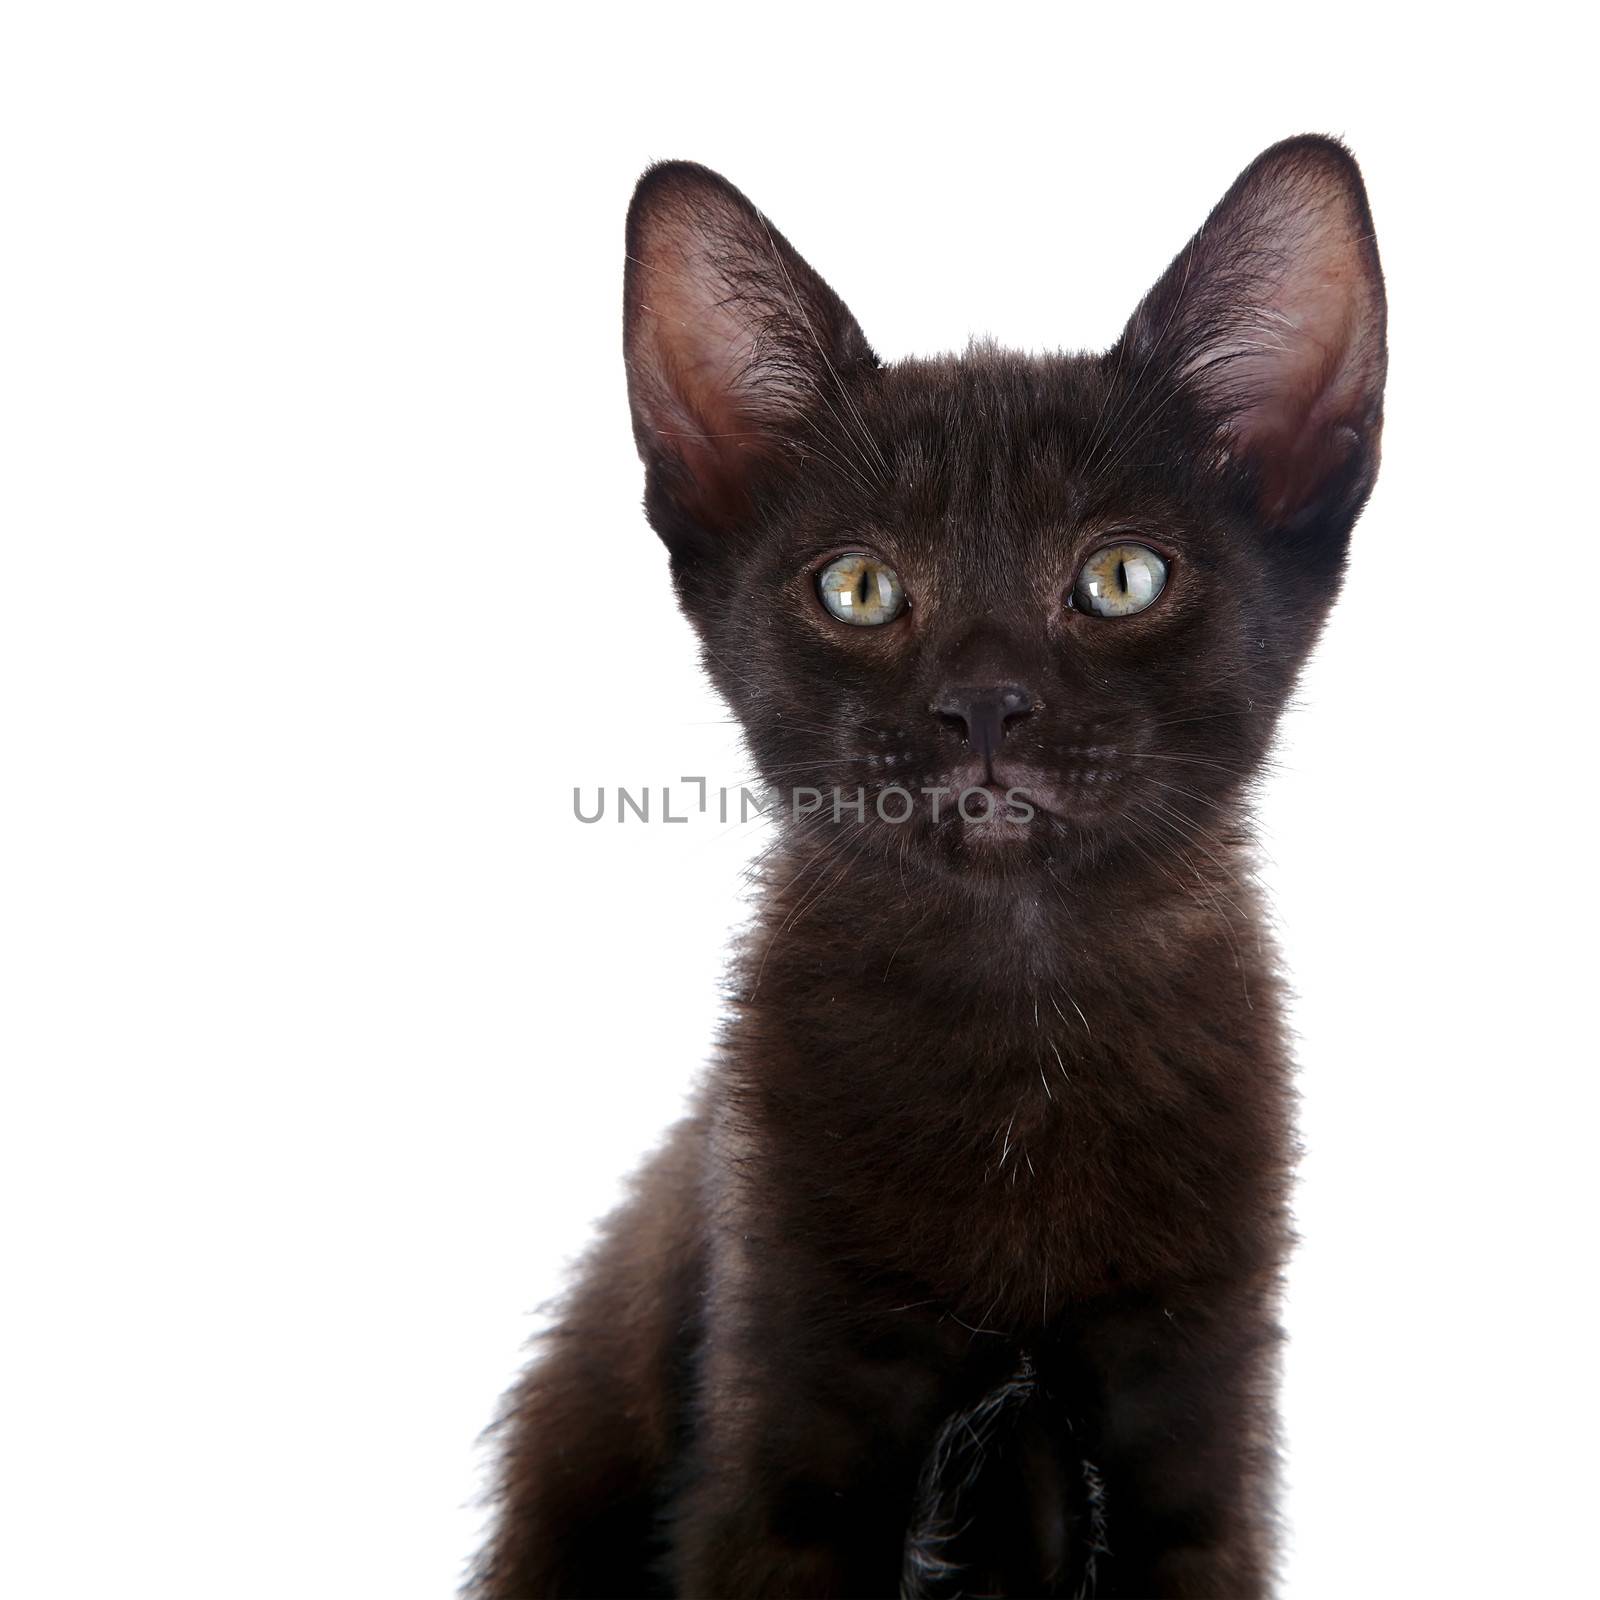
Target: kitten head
1079, 585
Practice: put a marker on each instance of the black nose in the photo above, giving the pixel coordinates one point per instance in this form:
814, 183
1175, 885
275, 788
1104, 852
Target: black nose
983, 712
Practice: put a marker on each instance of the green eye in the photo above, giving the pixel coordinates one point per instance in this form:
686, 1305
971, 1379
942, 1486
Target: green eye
1119, 580
860, 590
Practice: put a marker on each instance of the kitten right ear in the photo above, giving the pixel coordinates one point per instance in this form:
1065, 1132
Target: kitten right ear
732, 345
1273, 320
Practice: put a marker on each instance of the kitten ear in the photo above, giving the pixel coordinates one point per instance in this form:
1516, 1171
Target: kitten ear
1273, 319
731, 343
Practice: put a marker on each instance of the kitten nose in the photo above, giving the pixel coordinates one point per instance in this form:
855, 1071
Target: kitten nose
983, 712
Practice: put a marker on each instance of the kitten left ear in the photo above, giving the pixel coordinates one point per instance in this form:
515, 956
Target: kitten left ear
736, 352
1273, 319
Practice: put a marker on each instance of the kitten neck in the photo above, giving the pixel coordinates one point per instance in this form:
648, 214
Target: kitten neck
923, 932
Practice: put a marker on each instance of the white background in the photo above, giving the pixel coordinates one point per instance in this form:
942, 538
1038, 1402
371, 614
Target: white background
328, 1031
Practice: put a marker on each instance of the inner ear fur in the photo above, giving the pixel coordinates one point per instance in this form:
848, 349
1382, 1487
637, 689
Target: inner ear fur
732, 342
1273, 319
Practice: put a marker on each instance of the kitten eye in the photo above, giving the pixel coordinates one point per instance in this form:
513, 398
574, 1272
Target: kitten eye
1119, 580
860, 590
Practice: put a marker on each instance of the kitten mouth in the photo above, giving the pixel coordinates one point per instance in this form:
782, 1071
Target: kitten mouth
997, 773
1018, 791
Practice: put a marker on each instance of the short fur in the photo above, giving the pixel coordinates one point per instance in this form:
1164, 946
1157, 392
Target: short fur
961, 1278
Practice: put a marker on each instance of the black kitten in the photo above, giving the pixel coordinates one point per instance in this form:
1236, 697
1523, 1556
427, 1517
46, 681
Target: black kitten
962, 1278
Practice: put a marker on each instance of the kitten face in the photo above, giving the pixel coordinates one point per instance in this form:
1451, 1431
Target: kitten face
994, 489
1226, 443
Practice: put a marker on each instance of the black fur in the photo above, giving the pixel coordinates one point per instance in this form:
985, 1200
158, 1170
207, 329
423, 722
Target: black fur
961, 1279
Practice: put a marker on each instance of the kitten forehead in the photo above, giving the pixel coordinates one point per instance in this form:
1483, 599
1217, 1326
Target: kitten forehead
993, 441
